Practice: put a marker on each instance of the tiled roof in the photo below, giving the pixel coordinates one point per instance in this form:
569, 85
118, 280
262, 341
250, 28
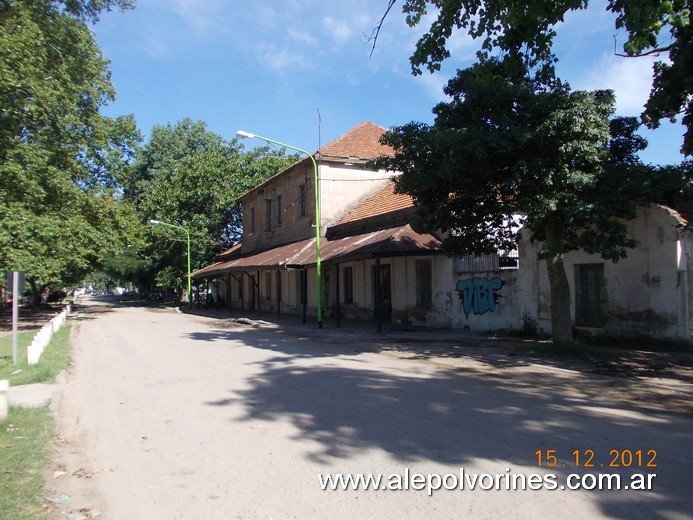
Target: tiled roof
361, 142
684, 212
381, 203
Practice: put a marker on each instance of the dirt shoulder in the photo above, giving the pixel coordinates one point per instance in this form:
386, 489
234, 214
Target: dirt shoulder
30, 318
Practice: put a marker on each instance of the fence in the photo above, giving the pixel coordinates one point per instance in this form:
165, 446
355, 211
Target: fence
43, 337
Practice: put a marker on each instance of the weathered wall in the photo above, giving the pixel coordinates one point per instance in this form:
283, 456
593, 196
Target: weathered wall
341, 187
647, 292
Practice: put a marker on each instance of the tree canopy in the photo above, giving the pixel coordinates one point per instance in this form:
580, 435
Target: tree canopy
525, 31
187, 176
507, 151
58, 155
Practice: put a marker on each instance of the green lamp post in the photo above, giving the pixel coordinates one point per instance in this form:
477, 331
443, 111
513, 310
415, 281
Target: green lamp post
318, 269
187, 234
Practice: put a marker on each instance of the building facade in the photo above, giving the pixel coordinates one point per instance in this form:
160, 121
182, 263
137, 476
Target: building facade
378, 265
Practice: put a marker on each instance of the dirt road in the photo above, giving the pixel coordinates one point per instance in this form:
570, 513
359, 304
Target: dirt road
170, 416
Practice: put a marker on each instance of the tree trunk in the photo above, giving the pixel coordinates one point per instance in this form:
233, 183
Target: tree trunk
35, 295
561, 324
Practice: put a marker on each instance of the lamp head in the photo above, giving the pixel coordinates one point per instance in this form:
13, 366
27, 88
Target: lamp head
244, 135
152, 221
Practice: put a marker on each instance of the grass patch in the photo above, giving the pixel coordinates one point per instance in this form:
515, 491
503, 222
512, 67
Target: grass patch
25, 442
54, 359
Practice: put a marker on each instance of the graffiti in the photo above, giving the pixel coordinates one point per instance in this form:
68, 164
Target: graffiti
479, 295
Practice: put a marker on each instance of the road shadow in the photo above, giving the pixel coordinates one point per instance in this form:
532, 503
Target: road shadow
491, 359
496, 350
459, 416
29, 318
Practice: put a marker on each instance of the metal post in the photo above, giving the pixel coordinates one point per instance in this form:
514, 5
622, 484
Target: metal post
378, 320
15, 314
338, 297
316, 183
187, 235
304, 294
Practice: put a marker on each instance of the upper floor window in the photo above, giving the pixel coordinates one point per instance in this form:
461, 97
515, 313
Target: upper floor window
278, 203
268, 215
302, 200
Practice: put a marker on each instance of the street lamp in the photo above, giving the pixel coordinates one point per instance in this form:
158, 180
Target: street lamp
318, 268
187, 234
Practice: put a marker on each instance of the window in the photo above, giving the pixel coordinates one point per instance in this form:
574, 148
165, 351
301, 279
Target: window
590, 295
348, 275
278, 200
268, 215
424, 283
302, 200
251, 217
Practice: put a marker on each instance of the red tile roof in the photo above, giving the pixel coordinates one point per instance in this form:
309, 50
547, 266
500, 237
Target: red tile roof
381, 203
361, 142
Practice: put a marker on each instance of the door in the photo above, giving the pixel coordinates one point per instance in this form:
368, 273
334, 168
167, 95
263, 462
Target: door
383, 292
590, 295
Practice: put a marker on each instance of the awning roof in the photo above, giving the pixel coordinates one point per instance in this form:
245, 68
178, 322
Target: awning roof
398, 241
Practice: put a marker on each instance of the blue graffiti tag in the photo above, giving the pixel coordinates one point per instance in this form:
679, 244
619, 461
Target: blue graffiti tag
479, 295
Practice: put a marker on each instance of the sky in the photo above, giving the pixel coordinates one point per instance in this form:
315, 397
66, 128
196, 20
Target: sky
300, 71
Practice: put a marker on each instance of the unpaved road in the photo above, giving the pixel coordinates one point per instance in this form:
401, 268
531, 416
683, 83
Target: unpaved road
170, 416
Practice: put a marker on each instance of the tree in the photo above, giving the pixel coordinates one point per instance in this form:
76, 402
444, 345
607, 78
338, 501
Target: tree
188, 176
524, 31
58, 155
504, 147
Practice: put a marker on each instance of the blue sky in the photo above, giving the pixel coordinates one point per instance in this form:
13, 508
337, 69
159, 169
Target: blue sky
270, 66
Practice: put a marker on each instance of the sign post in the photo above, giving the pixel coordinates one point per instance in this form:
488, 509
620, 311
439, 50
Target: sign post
15, 283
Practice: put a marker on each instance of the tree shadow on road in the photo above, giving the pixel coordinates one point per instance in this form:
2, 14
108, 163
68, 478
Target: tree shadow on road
430, 414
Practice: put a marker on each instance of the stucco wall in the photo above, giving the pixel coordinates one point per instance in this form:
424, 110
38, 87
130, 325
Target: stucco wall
341, 187
293, 226
647, 292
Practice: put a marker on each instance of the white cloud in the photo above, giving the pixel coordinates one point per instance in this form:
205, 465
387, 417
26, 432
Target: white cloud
156, 45
433, 85
629, 78
302, 37
280, 60
201, 15
339, 30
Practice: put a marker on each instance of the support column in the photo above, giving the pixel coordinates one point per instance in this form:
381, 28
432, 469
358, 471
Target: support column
279, 292
337, 306
378, 318
304, 293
